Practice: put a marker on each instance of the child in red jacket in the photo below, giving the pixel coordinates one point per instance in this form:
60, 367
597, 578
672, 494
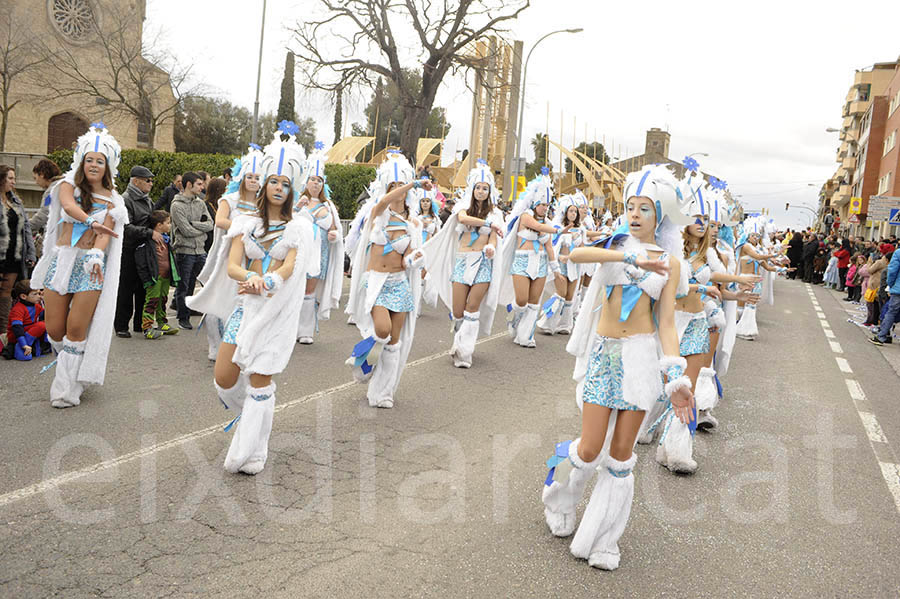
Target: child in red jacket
27, 332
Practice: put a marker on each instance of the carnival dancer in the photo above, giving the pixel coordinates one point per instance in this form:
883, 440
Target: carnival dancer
525, 258
239, 198
460, 262
255, 287
750, 260
79, 269
557, 313
323, 290
426, 210
618, 366
384, 286
355, 230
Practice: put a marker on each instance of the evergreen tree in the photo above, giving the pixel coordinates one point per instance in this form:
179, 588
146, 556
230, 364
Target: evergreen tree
286, 103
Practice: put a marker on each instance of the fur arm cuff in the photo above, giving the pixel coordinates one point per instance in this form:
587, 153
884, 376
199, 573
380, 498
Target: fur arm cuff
666, 361
554, 266
94, 257
415, 260
681, 382
272, 281
492, 248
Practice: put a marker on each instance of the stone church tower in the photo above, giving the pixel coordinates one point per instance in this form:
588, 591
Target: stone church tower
41, 127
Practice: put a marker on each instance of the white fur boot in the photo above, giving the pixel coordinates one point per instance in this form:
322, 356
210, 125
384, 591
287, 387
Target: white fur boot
514, 316
307, 329
560, 499
706, 396
566, 319
746, 326
233, 398
464, 340
65, 391
645, 435
606, 516
250, 444
549, 324
215, 328
526, 326
381, 387
676, 446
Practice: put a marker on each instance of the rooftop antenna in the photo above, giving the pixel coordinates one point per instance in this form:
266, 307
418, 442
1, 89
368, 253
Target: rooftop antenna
667, 118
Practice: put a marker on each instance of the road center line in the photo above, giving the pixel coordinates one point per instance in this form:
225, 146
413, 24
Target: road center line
45, 485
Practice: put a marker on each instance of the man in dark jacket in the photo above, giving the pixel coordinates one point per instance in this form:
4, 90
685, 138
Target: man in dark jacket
130, 299
168, 194
809, 255
795, 255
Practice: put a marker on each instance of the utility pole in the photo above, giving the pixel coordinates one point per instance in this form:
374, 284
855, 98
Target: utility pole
254, 134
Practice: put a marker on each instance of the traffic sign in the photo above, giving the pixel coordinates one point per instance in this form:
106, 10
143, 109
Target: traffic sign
880, 207
894, 218
855, 205
854, 219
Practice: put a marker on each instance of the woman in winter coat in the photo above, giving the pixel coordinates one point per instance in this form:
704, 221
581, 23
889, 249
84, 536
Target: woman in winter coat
16, 244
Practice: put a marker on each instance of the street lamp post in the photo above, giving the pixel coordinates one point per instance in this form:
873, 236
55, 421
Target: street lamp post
254, 129
522, 96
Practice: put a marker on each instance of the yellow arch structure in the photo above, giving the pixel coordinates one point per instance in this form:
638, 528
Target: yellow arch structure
589, 177
346, 150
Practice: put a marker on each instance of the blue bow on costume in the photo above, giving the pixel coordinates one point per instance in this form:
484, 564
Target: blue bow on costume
560, 455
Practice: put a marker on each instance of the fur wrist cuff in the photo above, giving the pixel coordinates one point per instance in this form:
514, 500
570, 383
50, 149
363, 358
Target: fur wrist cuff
666, 361
272, 281
94, 257
493, 249
679, 383
415, 260
554, 266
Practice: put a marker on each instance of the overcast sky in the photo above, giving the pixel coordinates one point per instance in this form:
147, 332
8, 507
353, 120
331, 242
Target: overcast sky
753, 84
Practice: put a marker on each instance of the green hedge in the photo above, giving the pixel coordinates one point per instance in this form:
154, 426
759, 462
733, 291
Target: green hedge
347, 181
165, 165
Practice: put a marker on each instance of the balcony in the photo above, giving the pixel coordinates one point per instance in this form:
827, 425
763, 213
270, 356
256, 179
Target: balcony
858, 108
849, 163
841, 196
862, 78
847, 123
842, 151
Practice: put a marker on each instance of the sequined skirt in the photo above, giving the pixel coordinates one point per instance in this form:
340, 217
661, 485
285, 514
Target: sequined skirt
396, 294
483, 275
603, 383
79, 280
520, 264
695, 339
233, 325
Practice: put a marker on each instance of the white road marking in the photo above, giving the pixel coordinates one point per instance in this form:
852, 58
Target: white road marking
873, 429
889, 471
891, 474
855, 390
788, 312
45, 485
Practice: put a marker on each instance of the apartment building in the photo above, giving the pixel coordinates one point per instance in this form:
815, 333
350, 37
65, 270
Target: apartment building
861, 130
888, 181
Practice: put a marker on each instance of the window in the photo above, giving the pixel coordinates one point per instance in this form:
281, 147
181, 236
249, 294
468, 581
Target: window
75, 20
889, 142
863, 95
144, 125
895, 103
884, 184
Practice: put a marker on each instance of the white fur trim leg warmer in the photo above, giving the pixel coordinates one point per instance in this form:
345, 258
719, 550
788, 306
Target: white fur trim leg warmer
525, 328
464, 340
706, 395
250, 444
550, 324
560, 499
307, 329
513, 319
676, 446
233, 398
65, 391
566, 318
746, 326
606, 516
380, 392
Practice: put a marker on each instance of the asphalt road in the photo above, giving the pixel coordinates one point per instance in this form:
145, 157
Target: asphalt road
797, 493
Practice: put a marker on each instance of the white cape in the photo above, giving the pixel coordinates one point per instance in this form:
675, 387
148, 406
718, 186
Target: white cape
93, 366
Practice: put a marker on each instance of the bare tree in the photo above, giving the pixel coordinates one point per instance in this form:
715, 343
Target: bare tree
17, 60
130, 77
355, 42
